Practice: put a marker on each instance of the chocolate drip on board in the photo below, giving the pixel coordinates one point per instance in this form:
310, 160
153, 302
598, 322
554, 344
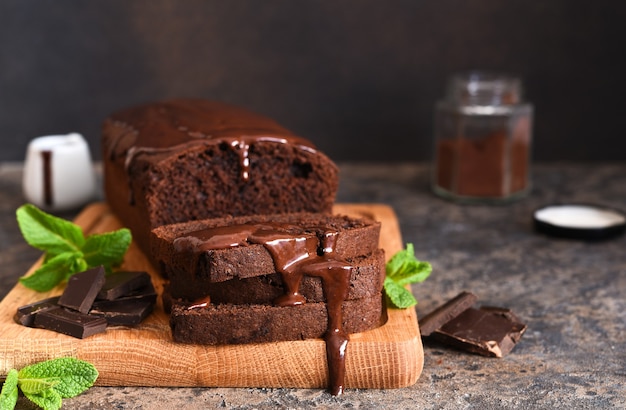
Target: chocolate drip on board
296, 252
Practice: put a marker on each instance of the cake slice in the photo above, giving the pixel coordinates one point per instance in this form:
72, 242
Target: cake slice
261, 323
172, 246
366, 280
188, 159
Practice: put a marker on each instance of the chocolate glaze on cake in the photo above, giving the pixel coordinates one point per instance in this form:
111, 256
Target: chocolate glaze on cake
187, 159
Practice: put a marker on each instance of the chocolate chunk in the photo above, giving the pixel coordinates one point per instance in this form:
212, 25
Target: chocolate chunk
127, 310
25, 315
489, 331
70, 322
134, 294
444, 313
82, 289
123, 311
122, 283
147, 292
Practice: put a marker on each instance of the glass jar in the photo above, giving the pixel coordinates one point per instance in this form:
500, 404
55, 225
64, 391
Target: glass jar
483, 133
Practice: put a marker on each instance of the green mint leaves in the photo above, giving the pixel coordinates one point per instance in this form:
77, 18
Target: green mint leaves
404, 268
8, 395
47, 383
68, 251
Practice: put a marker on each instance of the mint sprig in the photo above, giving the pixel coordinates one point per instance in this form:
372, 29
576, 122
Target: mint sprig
47, 383
404, 268
67, 250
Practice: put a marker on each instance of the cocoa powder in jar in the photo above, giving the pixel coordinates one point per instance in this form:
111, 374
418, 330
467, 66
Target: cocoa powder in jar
482, 147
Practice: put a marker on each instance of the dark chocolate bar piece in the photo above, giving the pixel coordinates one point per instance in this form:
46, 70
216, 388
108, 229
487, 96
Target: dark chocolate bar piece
123, 311
487, 331
82, 289
25, 315
446, 312
122, 283
133, 296
70, 322
147, 292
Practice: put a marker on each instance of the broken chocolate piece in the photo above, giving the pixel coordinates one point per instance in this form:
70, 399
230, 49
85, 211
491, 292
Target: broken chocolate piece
127, 310
134, 299
70, 322
82, 289
446, 312
146, 292
122, 283
25, 315
124, 311
489, 332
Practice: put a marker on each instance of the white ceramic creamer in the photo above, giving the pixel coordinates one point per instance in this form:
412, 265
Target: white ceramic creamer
58, 172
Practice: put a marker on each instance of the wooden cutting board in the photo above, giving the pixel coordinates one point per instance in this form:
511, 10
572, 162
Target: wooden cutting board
388, 357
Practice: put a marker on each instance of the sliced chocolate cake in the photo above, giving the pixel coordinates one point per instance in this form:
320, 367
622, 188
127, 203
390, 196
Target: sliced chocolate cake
235, 211
220, 268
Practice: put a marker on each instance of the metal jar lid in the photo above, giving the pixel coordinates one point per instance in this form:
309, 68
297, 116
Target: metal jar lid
579, 221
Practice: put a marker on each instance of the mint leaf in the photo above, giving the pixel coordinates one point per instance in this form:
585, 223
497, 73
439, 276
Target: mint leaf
107, 249
8, 395
404, 268
39, 385
67, 376
47, 232
399, 295
52, 272
47, 383
47, 399
67, 250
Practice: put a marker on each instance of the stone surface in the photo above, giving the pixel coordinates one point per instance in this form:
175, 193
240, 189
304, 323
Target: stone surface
570, 293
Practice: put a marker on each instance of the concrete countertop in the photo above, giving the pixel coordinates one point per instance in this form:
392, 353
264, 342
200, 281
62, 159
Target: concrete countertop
572, 295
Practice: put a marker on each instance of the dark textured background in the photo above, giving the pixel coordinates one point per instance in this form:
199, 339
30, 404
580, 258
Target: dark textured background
357, 77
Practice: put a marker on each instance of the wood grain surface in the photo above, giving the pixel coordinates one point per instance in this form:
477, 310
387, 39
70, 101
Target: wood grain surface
390, 356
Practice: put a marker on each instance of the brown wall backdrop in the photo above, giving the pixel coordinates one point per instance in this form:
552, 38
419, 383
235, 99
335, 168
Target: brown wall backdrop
358, 77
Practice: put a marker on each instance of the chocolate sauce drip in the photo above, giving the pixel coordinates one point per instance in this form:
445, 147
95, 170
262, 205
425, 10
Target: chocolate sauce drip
296, 252
173, 126
48, 197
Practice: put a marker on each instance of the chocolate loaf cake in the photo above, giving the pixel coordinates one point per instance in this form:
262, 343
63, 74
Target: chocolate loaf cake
235, 211
239, 324
188, 159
